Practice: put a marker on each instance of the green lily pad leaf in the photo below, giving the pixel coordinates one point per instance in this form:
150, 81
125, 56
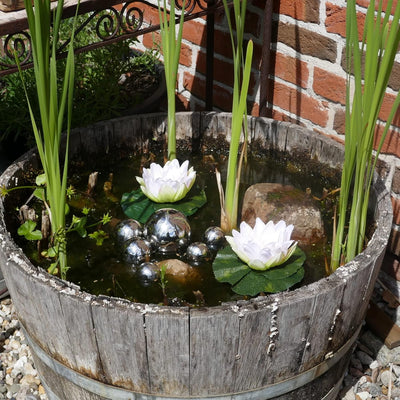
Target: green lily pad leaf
137, 206
27, 229
246, 281
254, 283
228, 267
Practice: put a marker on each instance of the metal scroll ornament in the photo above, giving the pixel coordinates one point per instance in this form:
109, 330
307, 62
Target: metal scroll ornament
110, 24
16, 46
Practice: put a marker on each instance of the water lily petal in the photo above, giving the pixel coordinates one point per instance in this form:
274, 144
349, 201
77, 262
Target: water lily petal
167, 184
264, 246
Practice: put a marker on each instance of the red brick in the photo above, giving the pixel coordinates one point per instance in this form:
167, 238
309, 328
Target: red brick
150, 14
152, 39
336, 20
195, 32
387, 105
197, 85
252, 24
185, 57
290, 69
223, 70
394, 242
222, 98
391, 144
396, 210
339, 121
365, 3
222, 43
194, 84
307, 42
329, 85
299, 9
300, 104
254, 109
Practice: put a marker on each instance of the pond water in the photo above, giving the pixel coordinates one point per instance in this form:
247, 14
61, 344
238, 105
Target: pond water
103, 270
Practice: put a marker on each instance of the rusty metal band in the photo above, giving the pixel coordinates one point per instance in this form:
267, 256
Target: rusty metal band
264, 393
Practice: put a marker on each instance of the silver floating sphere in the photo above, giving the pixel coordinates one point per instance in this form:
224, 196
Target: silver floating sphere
214, 238
168, 230
147, 273
136, 251
129, 229
198, 252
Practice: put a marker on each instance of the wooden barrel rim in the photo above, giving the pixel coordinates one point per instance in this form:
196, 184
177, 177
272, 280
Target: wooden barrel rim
343, 315
345, 272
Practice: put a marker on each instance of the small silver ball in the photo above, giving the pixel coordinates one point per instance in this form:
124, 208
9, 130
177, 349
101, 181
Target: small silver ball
129, 229
168, 230
136, 251
214, 238
197, 253
147, 273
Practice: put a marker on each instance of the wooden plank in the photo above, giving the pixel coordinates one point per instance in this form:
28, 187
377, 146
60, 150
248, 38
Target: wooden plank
383, 326
121, 341
358, 287
76, 312
252, 361
49, 324
60, 386
214, 344
167, 335
292, 324
326, 297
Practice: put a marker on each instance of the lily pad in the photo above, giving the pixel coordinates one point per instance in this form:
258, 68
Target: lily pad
137, 206
246, 281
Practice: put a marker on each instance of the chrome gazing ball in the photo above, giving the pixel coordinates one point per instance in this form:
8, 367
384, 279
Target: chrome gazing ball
169, 230
129, 229
147, 273
214, 238
136, 251
197, 253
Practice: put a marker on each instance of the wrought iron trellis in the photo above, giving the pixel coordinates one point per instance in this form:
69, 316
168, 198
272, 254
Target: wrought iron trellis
110, 23
122, 20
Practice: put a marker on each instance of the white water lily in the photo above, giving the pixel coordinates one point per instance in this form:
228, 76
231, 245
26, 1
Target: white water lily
264, 246
167, 184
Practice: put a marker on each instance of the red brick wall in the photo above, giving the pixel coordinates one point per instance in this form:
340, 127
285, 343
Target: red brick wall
307, 79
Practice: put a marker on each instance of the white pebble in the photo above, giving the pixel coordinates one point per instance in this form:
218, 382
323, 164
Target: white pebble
363, 396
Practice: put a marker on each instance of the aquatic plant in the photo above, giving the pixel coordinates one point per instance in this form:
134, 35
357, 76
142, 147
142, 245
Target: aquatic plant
230, 199
380, 42
53, 107
171, 48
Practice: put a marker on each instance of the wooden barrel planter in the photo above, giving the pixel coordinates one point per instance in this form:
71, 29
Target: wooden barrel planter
291, 345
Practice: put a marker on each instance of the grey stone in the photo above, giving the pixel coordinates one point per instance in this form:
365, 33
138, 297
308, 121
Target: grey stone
364, 358
375, 390
273, 201
14, 388
387, 378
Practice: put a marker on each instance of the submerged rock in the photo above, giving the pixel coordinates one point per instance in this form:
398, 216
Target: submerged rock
273, 201
180, 272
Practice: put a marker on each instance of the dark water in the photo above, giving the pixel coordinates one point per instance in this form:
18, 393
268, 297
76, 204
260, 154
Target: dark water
102, 270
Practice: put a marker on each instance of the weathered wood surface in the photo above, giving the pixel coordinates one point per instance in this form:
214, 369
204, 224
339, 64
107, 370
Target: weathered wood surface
237, 347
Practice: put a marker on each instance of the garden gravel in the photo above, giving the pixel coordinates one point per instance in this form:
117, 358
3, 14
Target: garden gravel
373, 373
